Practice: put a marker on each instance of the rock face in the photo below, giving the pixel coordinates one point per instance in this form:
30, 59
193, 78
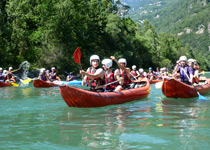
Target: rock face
209, 27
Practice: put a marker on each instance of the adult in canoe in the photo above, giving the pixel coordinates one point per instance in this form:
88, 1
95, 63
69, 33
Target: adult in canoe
1, 75
181, 67
9, 76
109, 75
43, 75
142, 74
197, 70
135, 73
94, 75
70, 77
150, 74
53, 75
123, 74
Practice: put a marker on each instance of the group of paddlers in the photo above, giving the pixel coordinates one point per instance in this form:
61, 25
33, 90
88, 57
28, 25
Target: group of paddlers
109, 79
7, 76
46, 75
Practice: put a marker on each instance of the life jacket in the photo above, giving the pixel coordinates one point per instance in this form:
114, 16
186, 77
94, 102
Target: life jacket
53, 77
43, 77
109, 79
182, 75
149, 75
125, 77
1, 76
134, 73
142, 75
94, 82
69, 76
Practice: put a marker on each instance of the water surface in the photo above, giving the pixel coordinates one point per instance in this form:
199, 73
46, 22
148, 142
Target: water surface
32, 118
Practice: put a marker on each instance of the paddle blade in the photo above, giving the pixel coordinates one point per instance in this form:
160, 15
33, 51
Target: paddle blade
14, 84
26, 81
202, 97
77, 55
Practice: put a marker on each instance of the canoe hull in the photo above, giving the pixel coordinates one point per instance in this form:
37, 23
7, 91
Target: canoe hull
43, 84
3, 84
154, 81
75, 97
176, 89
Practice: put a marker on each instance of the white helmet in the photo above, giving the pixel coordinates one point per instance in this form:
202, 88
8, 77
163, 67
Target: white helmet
1, 68
94, 57
134, 67
141, 70
191, 60
10, 68
107, 63
42, 70
183, 58
122, 60
53, 68
5, 71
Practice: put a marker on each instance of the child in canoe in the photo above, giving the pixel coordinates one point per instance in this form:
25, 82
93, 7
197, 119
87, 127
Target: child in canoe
109, 75
122, 74
94, 75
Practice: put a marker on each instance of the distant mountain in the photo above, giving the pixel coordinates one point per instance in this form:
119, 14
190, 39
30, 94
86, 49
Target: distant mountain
188, 19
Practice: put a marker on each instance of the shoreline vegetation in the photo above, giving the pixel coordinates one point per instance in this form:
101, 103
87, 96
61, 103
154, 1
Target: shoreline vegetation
46, 33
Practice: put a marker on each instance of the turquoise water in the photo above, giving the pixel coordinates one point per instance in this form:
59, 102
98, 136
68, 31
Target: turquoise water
32, 118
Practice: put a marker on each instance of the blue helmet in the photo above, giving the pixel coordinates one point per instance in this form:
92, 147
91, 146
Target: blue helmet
150, 68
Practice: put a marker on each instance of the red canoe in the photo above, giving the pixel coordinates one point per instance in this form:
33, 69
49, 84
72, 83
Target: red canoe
3, 84
154, 81
176, 89
75, 97
43, 84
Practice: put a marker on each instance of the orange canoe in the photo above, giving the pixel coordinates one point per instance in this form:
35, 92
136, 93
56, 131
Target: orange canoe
176, 89
3, 84
43, 84
154, 81
75, 97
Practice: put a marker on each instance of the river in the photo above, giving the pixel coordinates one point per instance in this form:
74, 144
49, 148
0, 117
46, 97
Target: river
38, 118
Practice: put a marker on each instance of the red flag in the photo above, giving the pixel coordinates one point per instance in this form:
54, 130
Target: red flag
77, 55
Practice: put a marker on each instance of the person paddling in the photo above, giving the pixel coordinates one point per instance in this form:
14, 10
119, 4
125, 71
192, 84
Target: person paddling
10, 77
197, 70
70, 77
123, 74
53, 75
109, 75
142, 74
184, 70
135, 73
94, 75
150, 74
1, 75
43, 75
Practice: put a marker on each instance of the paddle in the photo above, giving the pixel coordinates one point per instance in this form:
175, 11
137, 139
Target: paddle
199, 95
14, 84
133, 76
77, 56
111, 83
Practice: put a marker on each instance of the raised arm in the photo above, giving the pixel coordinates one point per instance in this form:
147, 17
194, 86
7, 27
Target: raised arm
127, 70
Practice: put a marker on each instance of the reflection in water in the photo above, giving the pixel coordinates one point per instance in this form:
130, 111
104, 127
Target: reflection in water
103, 127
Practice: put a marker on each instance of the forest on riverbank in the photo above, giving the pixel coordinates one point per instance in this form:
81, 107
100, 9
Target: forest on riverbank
47, 32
